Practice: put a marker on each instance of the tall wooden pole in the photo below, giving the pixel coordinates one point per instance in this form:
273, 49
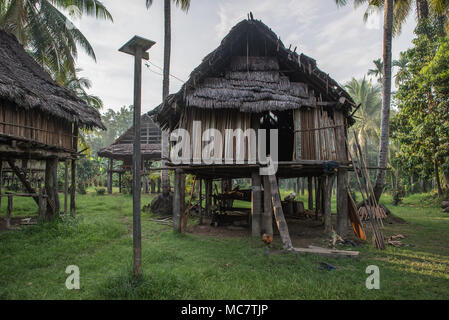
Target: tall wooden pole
137, 47
137, 241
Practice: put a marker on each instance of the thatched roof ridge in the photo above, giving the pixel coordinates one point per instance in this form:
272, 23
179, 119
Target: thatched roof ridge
25, 83
264, 88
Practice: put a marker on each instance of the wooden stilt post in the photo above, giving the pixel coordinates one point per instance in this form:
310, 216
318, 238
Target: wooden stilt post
318, 188
66, 185
73, 174
256, 204
200, 199
310, 193
9, 212
267, 218
42, 205
120, 182
109, 180
51, 186
208, 197
342, 184
327, 195
178, 200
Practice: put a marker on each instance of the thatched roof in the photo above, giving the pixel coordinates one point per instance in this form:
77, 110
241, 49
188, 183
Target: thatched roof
253, 71
150, 139
25, 83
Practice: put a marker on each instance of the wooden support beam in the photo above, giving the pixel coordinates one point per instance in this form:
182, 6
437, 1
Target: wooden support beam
267, 217
109, 178
310, 193
200, 199
327, 199
256, 204
297, 126
318, 199
9, 212
42, 205
51, 187
178, 200
73, 173
66, 185
278, 213
120, 182
208, 186
342, 183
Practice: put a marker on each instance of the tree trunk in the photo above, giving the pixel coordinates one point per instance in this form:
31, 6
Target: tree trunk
165, 179
437, 179
386, 93
422, 9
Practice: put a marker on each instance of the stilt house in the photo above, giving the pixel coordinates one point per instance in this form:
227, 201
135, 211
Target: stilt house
122, 150
253, 81
39, 121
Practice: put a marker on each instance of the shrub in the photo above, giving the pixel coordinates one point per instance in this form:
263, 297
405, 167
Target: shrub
101, 191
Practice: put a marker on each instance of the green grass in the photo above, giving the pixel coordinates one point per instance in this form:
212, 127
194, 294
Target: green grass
33, 260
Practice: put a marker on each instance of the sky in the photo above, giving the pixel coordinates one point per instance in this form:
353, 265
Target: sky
337, 37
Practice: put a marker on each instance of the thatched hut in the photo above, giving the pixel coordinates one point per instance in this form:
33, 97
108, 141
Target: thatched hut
122, 150
253, 81
39, 120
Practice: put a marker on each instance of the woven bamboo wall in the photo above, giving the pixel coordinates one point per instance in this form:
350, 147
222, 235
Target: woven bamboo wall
220, 119
34, 126
318, 132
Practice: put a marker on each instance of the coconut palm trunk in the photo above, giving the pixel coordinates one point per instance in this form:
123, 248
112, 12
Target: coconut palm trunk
386, 101
165, 178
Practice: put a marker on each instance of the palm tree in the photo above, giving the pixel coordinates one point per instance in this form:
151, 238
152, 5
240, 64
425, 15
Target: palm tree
388, 6
377, 72
185, 5
424, 9
403, 73
368, 96
79, 85
46, 32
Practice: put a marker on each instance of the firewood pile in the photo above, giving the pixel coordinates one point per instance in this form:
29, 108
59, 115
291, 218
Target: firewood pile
445, 206
378, 211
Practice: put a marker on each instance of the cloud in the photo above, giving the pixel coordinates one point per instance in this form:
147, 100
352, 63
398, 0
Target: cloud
336, 37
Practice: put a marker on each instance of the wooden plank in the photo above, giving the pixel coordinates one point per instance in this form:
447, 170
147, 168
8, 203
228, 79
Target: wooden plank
278, 213
327, 252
